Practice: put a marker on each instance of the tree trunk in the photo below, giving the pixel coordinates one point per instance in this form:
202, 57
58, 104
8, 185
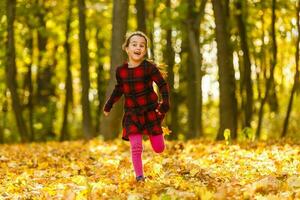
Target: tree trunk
261, 70
4, 115
11, 71
29, 84
296, 78
1, 133
195, 107
141, 15
169, 55
247, 92
85, 77
152, 19
27, 90
184, 87
64, 133
101, 81
45, 106
191, 99
42, 43
228, 101
273, 65
50, 96
110, 125
273, 100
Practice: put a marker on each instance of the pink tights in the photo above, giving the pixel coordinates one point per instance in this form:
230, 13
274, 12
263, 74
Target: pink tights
157, 143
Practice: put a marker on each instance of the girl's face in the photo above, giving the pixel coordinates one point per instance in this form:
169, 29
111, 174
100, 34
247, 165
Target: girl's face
136, 49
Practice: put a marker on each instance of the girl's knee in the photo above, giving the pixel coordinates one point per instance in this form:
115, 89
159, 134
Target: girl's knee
157, 142
159, 149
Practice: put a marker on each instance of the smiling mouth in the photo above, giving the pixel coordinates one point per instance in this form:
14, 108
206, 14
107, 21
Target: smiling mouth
137, 53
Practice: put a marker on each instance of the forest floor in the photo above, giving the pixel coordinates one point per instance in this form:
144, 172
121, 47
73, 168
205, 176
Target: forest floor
196, 169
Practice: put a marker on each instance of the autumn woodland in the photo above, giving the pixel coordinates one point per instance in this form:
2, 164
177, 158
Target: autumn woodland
233, 128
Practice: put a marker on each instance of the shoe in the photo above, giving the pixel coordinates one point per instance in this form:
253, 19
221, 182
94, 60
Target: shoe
140, 178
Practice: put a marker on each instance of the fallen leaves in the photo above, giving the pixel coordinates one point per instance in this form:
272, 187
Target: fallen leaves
195, 169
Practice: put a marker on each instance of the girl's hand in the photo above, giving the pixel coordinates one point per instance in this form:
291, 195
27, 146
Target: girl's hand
158, 112
105, 113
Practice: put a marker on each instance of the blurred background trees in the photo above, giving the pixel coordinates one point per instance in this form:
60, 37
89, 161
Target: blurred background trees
231, 65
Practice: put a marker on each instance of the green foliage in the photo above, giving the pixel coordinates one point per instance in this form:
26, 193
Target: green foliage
227, 136
247, 134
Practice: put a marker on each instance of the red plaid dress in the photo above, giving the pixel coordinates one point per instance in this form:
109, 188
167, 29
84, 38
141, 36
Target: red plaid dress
141, 101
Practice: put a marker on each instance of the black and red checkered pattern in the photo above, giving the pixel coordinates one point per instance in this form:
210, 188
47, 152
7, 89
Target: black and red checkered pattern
136, 84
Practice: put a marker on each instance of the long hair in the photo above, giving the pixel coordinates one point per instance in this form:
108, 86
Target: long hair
162, 67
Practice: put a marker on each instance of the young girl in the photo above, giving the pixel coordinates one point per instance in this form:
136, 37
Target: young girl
143, 113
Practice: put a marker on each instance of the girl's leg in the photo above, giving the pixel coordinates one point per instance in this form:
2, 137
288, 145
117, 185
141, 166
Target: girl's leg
157, 142
136, 153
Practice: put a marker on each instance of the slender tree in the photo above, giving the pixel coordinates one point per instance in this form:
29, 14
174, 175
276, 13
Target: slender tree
296, 78
246, 82
42, 43
110, 125
64, 133
27, 94
101, 81
262, 59
169, 55
45, 105
184, 88
195, 83
152, 19
11, 71
1, 132
272, 68
141, 15
4, 110
261, 56
48, 76
228, 101
28, 83
85, 78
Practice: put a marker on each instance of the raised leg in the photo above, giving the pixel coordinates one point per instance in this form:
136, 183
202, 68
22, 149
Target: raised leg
157, 142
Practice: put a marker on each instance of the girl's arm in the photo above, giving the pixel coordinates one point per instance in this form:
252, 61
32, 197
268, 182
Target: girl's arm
163, 89
115, 96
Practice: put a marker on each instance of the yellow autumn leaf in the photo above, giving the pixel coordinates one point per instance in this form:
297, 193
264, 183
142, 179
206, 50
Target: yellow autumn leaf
79, 180
294, 182
166, 130
157, 168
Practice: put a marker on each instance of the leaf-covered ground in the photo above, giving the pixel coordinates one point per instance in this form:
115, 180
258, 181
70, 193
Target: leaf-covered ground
185, 170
